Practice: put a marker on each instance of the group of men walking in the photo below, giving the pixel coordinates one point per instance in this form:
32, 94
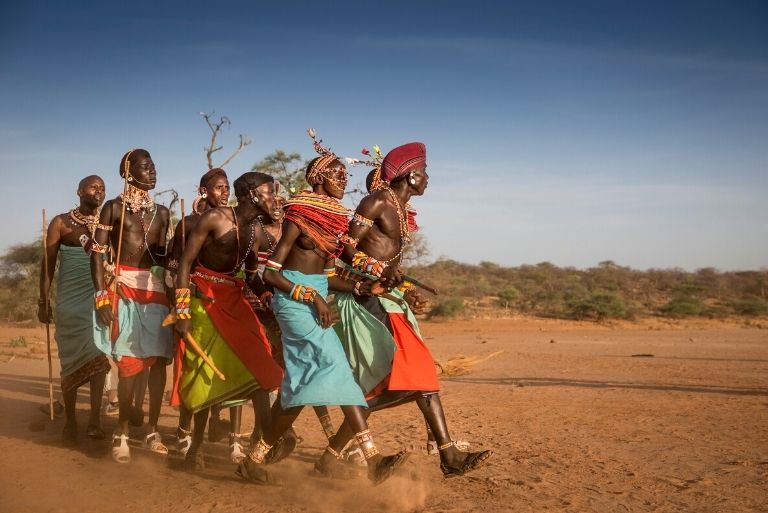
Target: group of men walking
237, 300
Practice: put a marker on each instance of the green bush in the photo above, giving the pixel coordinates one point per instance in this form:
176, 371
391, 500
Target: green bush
683, 307
448, 307
599, 305
750, 306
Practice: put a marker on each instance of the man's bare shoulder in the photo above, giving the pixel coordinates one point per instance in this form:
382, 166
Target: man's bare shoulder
372, 205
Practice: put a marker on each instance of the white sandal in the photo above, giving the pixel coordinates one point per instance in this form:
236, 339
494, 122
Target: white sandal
236, 453
183, 444
121, 453
154, 443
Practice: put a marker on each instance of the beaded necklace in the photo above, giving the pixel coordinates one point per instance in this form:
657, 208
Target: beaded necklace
402, 218
272, 242
136, 199
238, 262
80, 219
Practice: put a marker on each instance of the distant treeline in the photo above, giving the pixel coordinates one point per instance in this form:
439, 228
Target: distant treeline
608, 291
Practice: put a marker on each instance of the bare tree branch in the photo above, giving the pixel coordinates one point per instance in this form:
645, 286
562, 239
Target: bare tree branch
216, 127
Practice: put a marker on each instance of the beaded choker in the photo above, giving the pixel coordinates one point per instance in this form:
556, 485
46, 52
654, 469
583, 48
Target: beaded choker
89, 221
136, 199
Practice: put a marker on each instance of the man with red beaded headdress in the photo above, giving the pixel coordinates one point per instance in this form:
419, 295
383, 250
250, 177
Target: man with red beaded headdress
69, 240
129, 314
380, 334
301, 270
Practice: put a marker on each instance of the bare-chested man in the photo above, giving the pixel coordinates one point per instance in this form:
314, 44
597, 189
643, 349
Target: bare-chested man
378, 234
70, 238
224, 243
130, 319
301, 270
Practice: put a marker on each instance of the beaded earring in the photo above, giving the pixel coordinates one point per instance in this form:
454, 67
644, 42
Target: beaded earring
411, 179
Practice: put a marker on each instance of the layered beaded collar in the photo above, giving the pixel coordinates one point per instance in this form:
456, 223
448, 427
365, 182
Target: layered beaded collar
136, 199
80, 219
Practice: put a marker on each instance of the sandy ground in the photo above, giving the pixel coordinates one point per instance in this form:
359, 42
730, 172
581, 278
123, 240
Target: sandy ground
630, 417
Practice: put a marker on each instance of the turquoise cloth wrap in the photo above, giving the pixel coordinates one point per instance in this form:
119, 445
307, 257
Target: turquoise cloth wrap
316, 369
74, 310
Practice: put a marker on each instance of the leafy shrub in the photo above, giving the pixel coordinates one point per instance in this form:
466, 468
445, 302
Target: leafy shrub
448, 307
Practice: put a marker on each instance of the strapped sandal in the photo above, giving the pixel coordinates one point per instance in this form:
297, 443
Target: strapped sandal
473, 461
461, 445
183, 443
254, 473
386, 466
281, 450
154, 443
236, 453
335, 467
120, 451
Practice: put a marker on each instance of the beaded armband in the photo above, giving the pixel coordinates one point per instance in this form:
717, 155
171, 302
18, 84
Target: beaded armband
182, 303
329, 272
361, 220
303, 294
271, 265
367, 264
98, 248
356, 290
104, 227
101, 298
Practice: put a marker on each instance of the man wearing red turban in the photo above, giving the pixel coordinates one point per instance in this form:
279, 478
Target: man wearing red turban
380, 335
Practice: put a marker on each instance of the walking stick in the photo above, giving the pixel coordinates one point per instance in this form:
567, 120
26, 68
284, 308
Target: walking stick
47, 320
126, 167
183, 228
189, 339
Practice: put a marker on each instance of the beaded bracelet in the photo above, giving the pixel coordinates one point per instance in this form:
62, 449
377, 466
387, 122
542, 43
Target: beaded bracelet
271, 265
356, 289
303, 294
183, 296
329, 272
98, 248
367, 264
101, 298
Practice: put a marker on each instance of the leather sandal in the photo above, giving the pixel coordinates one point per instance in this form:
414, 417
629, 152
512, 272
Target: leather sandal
154, 443
473, 461
121, 453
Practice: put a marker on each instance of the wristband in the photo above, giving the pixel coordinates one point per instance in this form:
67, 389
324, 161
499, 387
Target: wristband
183, 296
101, 298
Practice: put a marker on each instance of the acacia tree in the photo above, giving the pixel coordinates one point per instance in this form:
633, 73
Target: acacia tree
287, 168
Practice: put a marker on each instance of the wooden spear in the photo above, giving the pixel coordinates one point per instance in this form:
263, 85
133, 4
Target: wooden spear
47, 320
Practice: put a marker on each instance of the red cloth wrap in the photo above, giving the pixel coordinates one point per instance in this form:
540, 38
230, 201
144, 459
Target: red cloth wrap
403, 159
233, 318
128, 366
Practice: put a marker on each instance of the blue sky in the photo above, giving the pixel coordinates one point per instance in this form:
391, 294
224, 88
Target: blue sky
568, 132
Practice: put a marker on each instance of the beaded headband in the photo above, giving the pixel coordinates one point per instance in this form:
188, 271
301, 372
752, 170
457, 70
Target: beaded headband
326, 157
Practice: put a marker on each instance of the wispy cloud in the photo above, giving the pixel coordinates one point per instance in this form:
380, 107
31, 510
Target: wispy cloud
509, 51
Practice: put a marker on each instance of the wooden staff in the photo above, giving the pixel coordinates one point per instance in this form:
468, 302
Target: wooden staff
120, 242
420, 284
183, 228
47, 320
189, 339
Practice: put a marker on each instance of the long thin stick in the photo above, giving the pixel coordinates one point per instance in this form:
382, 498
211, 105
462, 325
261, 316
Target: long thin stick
420, 284
47, 320
199, 350
119, 250
183, 228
